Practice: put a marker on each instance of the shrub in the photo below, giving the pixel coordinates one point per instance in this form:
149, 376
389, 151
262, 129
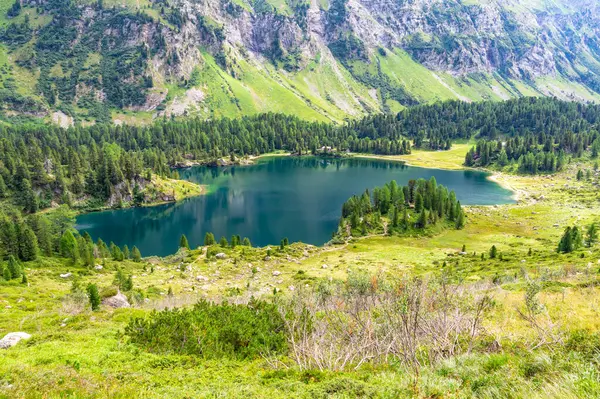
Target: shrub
212, 330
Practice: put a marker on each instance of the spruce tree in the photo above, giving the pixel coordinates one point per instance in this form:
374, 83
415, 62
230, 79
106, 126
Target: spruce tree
493, 252
14, 267
246, 242
223, 243
28, 244
3, 188
418, 203
209, 239
591, 235
94, 296
68, 246
422, 223
183, 242
136, 256
6, 275
460, 220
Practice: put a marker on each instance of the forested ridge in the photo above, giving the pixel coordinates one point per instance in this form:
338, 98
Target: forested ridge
44, 164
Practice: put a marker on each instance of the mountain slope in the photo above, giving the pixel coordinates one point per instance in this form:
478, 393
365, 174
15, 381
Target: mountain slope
134, 60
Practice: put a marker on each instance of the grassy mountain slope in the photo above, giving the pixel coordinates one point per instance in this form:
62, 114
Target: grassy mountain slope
135, 60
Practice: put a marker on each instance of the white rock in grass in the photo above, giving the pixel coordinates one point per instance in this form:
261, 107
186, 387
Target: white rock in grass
221, 256
276, 273
117, 301
11, 339
98, 267
66, 275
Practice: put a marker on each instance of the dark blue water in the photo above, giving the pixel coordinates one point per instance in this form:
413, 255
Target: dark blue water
298, 198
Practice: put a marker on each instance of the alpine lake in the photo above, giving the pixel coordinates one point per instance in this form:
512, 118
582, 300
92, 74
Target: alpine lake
295, 197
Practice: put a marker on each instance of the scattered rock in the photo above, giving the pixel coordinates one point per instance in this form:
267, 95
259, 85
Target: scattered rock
221, 256
117, 301
98, 267
201, 278
66, 275
324, 267
11, 339
276, 273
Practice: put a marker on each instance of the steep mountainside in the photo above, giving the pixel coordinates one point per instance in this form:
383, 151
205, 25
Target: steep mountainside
134, 60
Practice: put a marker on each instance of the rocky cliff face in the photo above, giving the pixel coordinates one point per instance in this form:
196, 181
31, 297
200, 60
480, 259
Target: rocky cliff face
107, 56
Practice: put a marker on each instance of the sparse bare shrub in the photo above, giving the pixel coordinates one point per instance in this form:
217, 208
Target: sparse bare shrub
547, 331
370, 319
75, 303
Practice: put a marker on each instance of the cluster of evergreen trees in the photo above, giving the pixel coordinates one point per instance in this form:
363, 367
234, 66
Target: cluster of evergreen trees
41, 164
529, 156
416, 206
24, 238
573, 238
537, 135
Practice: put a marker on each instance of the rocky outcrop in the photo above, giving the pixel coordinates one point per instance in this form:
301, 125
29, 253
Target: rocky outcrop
116, 302
508, 38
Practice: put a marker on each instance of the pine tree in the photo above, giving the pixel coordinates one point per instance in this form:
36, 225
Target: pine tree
422, 223
566, 242
14, 267
68, 246
460, 220
183, 242
3, 188
493, 252
246, 242
418, 203
209, 239
136, 256
223, 243
126, 253
94, 296
28, 199
28, 244
591, 235
24, 280
6, 275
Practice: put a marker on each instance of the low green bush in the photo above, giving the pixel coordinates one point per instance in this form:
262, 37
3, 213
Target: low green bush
212, 330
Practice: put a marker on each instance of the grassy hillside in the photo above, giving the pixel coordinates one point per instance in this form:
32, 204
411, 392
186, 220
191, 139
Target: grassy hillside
90, 354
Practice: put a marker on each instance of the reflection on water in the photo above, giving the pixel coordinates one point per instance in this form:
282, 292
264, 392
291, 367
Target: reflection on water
298, 198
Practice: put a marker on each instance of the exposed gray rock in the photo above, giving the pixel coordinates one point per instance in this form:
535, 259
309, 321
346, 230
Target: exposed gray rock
11, 339
117, 301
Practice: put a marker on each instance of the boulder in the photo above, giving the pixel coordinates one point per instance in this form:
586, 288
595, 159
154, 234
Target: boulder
276, 273
117, 301
66, 275
11, 339
221, 256
98, 267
